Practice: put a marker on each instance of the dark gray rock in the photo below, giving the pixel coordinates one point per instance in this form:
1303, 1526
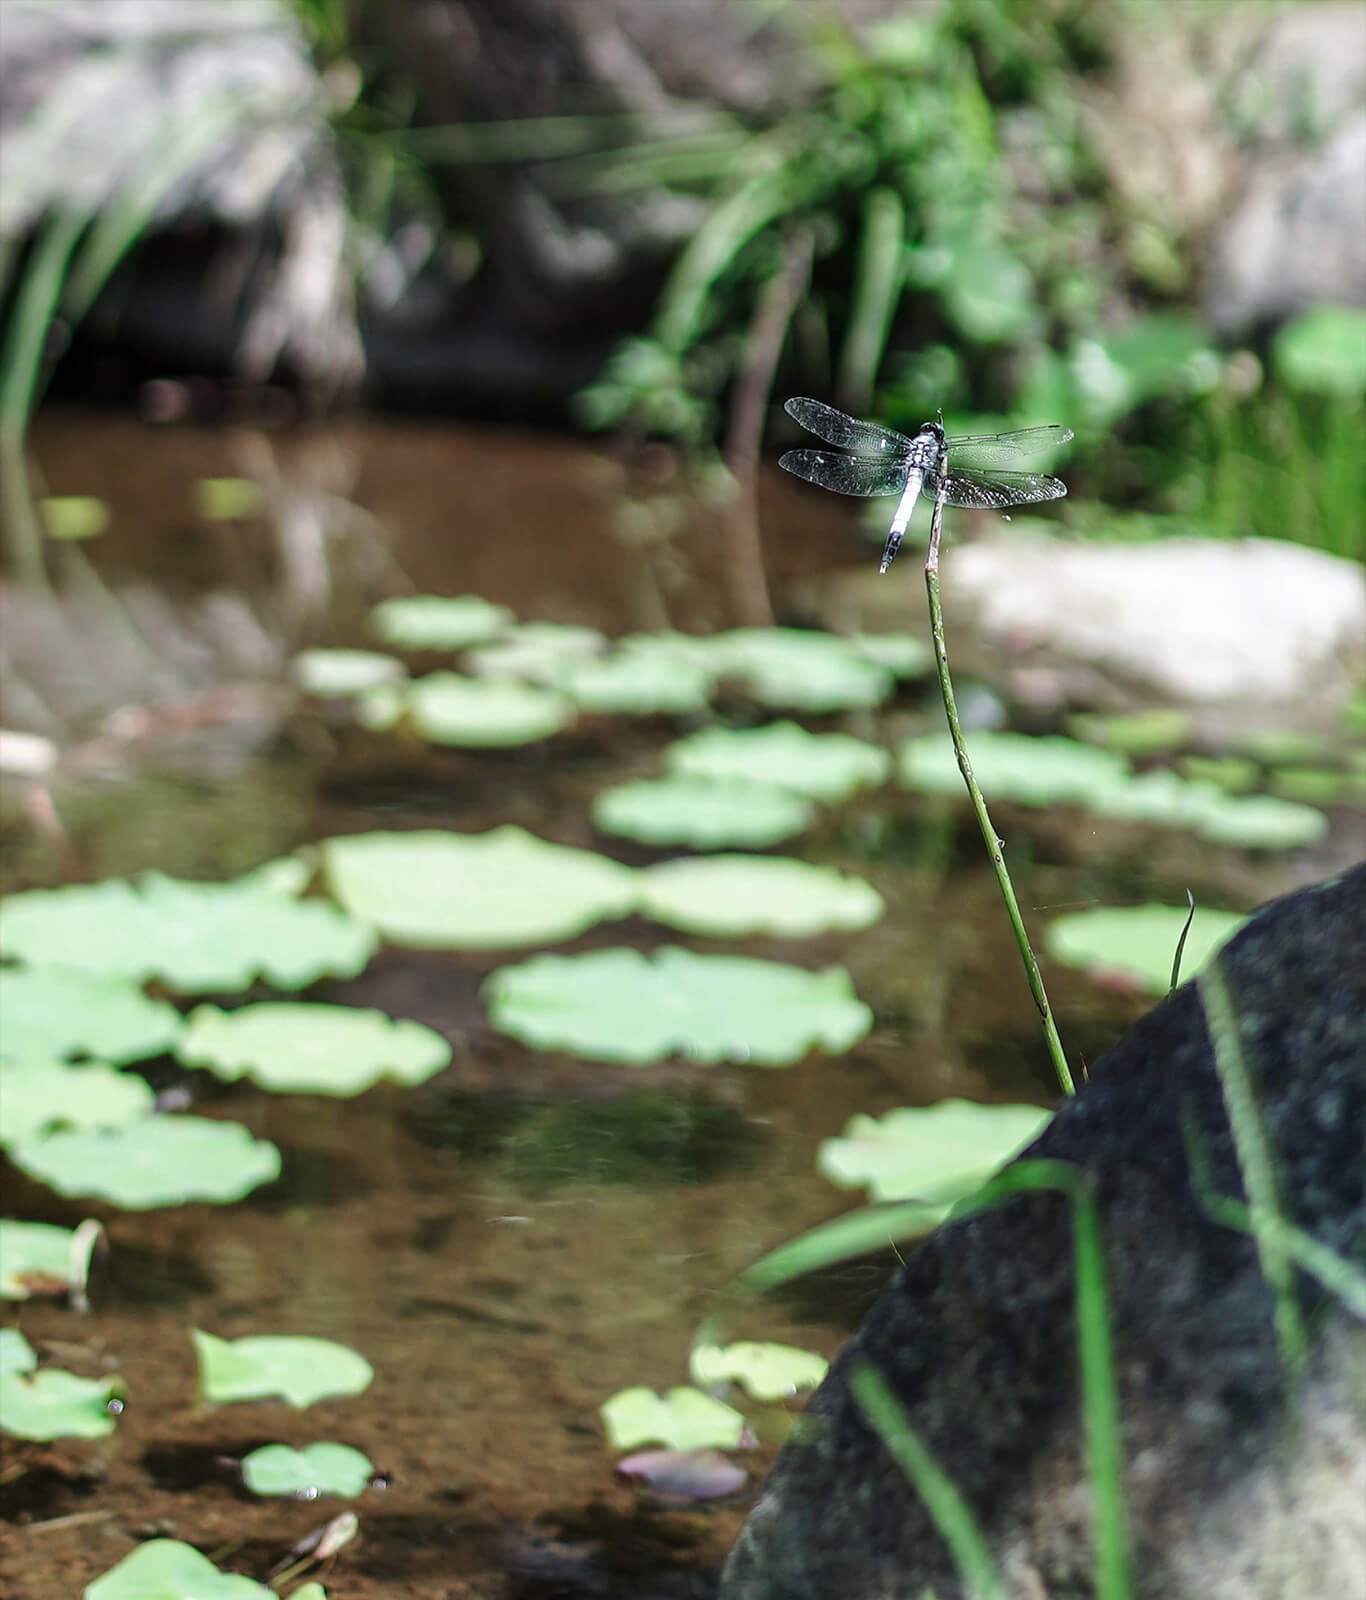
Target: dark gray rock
1239, 1481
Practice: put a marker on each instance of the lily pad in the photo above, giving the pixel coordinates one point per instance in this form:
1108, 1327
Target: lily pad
300, 1369
1135, 733
1132, 946
480, 713
935, 1153
51, 1404
475, 891
1013, 766
1250, 822
194, 937
1316, 786
767, 1371
684, 1419
295, 1048
822, 766
801, 669
736, 896
902, 654
1232, 774
166, 1569
620, 1005
439, 622
536, 651
637, 685
45, 1012
317, 1469
33, 1253
37, 1094
1323, 351
73, 516
334, 674
705, 813
156, 1161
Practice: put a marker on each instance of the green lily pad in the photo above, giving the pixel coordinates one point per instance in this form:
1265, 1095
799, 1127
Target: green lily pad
935, 1153
73, 516
705, 813
479, 713
45, 1012
439, 622
381, 707
1232, 774
684, 1419
156, 1161
295, 1048
620, 1005
902, 654
1136, 733
227, 499
299, 1369
194, 937
801, 669
768, 1371
1013, 766
317, 1469
635, 684
1315, 786
736, 896
1133, 946
823, 766
539, 652
37, 1094
1250, 822
33, 1253
475, 891
166, 1569
333, 674
51, 1404
1323, 351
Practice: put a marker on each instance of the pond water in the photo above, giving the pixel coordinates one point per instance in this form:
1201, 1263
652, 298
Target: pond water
527, 1233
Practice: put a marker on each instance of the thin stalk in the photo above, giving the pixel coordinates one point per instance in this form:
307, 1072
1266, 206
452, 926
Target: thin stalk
995, 846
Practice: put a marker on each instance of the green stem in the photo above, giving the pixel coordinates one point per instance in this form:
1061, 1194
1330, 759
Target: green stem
995, 847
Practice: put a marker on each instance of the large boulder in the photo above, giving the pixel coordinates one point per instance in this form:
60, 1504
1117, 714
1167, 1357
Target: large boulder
1244, 1479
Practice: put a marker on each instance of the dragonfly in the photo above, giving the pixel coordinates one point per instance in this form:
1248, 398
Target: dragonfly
889, 463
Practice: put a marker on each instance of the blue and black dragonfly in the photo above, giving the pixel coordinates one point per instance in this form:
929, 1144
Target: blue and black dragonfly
884, 462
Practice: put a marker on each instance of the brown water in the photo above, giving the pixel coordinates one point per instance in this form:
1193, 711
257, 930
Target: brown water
529, 1233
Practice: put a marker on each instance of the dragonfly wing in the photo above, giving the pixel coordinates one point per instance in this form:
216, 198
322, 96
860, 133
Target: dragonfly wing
846, 474
835, 428
988, 449
993, 490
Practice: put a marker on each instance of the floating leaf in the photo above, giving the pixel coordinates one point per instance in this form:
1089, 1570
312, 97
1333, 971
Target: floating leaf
1136, 732
38, 1094
332, 674
475, 891
51, 1404
706, 813
45, 1012
1232, 774
935, 1153
736, 896
1251, 822
803, 669
1133, 946
378, 709
157, 1161
823, 766
227, 499
767, 1371
295, 1048
1315, 786
537, 651
637, 685
684, 1419
1013, 766
33, 1253
620, 1005
300, 1369
166, 1569
73, 516
484, 713
438, 622
317, 1469
194, 937
902, 654
1323, 351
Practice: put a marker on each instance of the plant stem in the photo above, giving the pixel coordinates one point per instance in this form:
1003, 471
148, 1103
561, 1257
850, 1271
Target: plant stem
995, 846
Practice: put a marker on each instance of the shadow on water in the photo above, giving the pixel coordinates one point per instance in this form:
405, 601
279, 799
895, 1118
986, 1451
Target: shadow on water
526, 1234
